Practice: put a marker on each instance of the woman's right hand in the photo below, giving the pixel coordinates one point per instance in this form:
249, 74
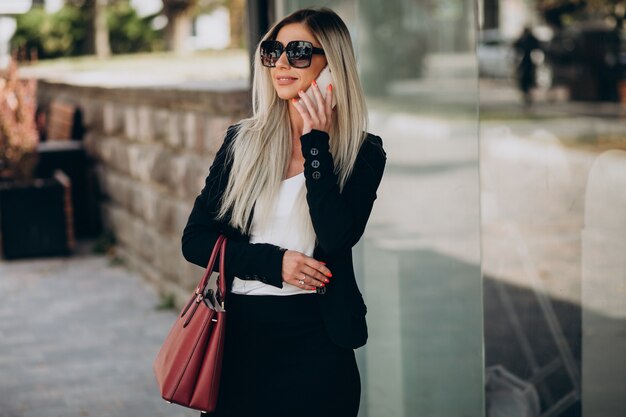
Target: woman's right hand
297, 268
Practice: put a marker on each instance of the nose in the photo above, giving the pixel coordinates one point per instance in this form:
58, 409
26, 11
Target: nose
282, 61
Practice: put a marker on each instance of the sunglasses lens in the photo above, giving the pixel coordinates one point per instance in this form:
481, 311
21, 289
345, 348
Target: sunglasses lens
299, 53
270, 51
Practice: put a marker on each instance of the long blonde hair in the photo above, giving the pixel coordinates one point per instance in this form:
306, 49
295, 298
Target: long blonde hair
262, 146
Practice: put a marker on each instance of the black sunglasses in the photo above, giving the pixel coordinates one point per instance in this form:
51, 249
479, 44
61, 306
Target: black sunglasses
299, 53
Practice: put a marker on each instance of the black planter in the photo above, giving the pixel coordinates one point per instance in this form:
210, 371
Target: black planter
70, 157
36, 217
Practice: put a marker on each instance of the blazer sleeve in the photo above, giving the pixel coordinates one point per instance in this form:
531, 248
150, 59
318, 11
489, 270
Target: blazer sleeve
252, 261
339, 219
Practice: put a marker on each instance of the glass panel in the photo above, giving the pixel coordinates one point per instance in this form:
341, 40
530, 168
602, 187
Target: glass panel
419, 260
553, 178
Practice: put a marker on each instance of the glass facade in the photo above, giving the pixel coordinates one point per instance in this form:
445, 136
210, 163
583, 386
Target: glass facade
494, 262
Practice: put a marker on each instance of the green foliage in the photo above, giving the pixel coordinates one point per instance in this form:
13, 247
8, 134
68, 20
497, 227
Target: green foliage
104, 243
167, 302
51, 35
66, 32
129, 33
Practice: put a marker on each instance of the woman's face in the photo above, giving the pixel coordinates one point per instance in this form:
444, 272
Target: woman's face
299, 78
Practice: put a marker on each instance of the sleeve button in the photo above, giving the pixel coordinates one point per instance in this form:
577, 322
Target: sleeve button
316, 175
315, 163
314, 151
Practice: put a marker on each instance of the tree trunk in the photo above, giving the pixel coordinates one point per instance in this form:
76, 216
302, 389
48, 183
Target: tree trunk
97, 29
101, 38
237, 11
179, 15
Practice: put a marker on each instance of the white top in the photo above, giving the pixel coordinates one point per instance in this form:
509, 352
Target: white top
280, 231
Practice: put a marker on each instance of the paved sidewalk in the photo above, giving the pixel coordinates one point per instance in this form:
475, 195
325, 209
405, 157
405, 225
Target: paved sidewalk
77, 338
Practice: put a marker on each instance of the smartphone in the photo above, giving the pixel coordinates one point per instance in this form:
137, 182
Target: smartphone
323, 80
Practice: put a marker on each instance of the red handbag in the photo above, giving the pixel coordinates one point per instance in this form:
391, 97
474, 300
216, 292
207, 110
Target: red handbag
189, 364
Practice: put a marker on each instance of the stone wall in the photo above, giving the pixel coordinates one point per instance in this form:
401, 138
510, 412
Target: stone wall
153, 148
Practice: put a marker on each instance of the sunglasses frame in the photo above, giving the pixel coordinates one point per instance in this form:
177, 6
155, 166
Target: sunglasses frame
314, 51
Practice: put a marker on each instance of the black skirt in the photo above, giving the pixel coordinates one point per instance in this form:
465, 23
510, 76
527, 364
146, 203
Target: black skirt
279, 361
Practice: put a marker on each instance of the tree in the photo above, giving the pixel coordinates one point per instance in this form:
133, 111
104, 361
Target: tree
558, 13
97, 31
179, 15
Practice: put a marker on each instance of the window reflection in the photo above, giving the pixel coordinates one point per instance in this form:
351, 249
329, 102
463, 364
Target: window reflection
527, 164
552, 159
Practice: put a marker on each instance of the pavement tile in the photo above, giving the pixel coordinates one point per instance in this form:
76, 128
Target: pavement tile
78, 338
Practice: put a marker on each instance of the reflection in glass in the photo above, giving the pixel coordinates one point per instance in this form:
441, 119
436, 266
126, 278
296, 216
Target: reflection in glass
552, 162
419, 259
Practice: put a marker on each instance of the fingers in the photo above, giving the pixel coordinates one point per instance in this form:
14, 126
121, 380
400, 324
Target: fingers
297, 268
321, 103
317, 278
305, 115
329, 100
318, 266
310, 106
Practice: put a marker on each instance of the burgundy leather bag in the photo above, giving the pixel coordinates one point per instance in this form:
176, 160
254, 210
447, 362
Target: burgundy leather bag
189, 364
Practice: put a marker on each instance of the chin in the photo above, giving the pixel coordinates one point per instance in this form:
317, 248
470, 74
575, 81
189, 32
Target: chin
286, 95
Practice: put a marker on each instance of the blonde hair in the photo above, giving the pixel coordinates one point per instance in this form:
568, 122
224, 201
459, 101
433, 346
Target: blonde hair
262, 145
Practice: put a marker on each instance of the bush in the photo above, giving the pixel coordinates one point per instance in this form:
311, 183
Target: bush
130, 33
51, 35
65, 33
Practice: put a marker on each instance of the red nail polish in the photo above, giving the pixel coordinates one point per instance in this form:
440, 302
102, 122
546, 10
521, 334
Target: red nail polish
314, 83
323, 284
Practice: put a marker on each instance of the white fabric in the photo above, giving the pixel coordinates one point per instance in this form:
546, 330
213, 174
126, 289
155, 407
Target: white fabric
280, 231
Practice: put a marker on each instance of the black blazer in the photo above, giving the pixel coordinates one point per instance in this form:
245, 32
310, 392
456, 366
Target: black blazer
338, 219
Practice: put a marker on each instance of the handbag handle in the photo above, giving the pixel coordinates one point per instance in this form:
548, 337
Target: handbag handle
219, 247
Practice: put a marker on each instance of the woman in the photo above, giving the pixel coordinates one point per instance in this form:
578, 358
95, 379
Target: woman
292, 187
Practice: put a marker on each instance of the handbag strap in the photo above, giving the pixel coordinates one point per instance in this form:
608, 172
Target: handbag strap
221, 278
220, 246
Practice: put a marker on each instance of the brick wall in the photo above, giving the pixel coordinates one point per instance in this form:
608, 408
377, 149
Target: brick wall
153, 149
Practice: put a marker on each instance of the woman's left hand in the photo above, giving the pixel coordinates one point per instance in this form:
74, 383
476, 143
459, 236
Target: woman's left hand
316, 115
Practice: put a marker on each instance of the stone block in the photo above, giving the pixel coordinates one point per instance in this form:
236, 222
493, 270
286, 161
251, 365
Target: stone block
121, 224
112, 152
145, 240
168, 255
92, 113
142, 158
112, 116
190, 126
130, 122
196, 171
160, 123
161, 169
181, 215
175, 131
145, 132
165, 215
214, 133
144, 201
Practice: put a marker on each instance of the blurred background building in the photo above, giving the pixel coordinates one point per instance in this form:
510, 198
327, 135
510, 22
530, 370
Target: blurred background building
493, 264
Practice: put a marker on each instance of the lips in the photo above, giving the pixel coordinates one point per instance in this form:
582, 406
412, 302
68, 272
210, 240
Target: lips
285, 80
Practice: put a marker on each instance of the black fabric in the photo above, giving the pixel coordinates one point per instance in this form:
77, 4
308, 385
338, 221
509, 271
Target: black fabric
339, 220
280, 362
